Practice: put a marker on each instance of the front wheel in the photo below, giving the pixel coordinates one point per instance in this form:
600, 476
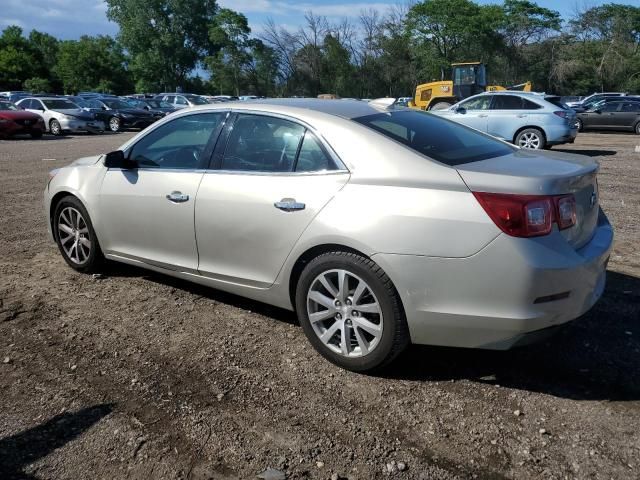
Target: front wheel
530, 138
75, 236
637, 129
114, 124
579, 125
350, 311
55, 128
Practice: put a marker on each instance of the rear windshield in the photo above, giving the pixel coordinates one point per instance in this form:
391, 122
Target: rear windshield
197, 100
442, 140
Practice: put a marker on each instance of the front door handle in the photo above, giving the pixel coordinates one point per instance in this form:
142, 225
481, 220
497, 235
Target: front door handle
177, 197
289, 205
483, 115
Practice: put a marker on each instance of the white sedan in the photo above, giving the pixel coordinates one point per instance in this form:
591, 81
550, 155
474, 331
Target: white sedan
61, 115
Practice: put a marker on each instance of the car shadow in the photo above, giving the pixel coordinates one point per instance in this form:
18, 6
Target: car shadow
596, 357
22, 449
123, 270
590, 153
45, 137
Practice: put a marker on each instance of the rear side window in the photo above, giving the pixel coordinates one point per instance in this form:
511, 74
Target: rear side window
442, 140
630, 107
312, 157
529, 105
506, 102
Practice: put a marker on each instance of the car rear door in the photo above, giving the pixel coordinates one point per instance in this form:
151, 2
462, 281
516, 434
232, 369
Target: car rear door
146, 213
627, 115
268, 182
506, 116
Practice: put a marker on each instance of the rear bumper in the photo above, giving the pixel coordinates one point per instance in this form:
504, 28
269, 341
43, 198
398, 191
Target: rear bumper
499, 297
559, 134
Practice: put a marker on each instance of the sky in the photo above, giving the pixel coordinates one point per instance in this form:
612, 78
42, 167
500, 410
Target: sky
69, 19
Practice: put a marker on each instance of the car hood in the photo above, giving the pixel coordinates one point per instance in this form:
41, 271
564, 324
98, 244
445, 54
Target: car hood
135, 112
18, 115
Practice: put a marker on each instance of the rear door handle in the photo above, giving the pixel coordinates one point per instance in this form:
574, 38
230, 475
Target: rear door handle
289, 205
483, 115
521, 115
177, 197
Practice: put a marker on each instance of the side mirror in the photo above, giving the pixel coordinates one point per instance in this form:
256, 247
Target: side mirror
596, 110
461, 110
116, 159
103, 107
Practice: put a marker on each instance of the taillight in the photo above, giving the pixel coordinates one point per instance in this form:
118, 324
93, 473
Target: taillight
560, 113
566, 211
528, 215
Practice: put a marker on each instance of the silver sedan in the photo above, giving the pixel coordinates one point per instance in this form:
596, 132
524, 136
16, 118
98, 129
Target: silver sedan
379, 226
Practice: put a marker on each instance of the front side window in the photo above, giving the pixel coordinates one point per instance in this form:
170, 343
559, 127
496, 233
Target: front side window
262, 144
177, 144
478, 103
181, 101
442, 140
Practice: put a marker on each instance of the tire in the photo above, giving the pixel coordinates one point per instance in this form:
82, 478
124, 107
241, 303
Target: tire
348, 344
440, 106
580, 126
83, 258
637, 128
36, 134
114, 124
530, 138
55, 128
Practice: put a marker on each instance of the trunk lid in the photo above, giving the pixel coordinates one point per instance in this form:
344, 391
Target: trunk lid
542, 173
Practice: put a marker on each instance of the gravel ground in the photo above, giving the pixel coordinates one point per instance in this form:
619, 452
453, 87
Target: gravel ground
137, 375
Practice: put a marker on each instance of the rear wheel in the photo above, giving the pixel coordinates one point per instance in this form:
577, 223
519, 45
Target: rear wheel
637, 129
350, 311
75, 236
530, 138
579, 125
55, 128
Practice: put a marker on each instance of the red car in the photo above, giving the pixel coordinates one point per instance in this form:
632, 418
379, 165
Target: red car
15, 121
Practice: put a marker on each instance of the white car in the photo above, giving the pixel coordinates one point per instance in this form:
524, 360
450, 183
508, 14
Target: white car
61, 115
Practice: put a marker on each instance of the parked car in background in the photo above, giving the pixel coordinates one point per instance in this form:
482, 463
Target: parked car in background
378, 226
181, 100
602, 101
225, 98
403, 101
14, 95
621, 113
586, 102
118, 114
61, 115
16, 121
566, 99
157, 107
527, 119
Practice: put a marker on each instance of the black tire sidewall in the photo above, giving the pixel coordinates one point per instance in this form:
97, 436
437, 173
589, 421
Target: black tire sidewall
538, 132
580, 126
95, 256
387, 298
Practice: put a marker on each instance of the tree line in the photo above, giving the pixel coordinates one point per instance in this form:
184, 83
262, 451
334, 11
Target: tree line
203, 48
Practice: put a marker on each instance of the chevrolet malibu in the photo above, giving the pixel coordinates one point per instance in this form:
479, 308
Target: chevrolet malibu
380, 226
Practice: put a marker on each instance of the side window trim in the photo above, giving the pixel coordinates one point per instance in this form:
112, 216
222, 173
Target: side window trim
221, 146
208, 151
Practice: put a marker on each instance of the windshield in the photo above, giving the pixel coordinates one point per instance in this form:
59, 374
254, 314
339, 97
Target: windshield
116, 104
8, 106
59, 104
442, 140
197, 100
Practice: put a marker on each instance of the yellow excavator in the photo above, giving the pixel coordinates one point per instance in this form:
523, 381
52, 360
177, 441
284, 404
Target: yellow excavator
467, 79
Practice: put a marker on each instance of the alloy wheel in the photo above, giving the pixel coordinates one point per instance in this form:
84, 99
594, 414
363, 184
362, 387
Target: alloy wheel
55, 127
529, 140
73, 233
344, 313
114, 124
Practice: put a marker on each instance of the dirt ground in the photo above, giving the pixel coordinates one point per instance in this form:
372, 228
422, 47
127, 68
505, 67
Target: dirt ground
140, 376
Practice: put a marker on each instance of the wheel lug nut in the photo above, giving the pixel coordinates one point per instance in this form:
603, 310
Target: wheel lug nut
338, 316
348, 302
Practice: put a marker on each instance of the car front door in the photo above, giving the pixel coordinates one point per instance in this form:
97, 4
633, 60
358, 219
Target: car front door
473, 112
146, 212
268, 183
506, 116
606, 116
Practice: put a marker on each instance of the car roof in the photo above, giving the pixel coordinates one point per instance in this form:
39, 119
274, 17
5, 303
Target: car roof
348, 109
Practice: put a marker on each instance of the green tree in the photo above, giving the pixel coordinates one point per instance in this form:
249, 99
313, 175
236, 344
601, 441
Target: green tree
165, 38
93, 63
37, 85
17, 60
